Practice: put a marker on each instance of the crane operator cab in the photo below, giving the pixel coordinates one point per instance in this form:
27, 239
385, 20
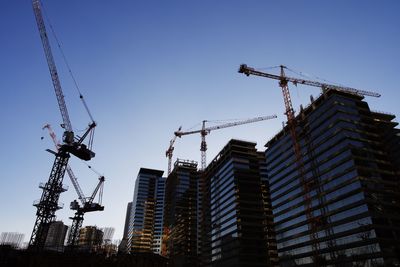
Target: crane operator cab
76, 148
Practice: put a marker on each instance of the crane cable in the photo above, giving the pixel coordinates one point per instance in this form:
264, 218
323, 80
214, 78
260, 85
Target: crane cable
308, 76
66, 63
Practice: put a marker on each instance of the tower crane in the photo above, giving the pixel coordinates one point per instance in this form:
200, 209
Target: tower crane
48, 203
87, 204
206, 130
170, 151
292, 124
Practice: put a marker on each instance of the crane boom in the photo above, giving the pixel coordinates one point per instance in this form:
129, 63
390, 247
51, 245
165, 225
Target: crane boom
52, 66
230, 124
99, 186
206, 130
248, 70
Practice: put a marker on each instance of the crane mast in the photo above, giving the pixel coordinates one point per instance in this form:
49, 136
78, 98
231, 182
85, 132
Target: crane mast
206, 130
307, 185
170, 150
70, 173
87, 206
48, 203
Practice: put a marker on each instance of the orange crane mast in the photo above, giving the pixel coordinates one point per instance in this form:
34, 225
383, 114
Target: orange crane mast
206, 130
292, 124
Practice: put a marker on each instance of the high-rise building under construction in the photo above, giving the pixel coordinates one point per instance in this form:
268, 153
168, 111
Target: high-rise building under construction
146, 216
181, 218
342, 206
237, 218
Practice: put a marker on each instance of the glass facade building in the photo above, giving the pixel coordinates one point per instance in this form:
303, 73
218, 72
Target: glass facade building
181, 216
146, 219
237, 218
344, 208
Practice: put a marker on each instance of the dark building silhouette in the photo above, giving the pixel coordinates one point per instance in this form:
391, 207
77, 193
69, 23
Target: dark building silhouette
10, 257
344, 209
56, 236
237, 221
180, 214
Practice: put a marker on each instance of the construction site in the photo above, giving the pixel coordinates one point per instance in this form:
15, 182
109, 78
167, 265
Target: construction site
322, 190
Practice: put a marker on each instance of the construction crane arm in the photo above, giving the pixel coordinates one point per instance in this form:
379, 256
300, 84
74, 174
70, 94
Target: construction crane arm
52, 66
75, 183
170, 149
231, 124
251, 71
98, 187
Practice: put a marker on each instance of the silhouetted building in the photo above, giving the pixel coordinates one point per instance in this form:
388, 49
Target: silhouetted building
90, 238
180, 214
339, 205
10, 257
238, 226
56, 236
145, 230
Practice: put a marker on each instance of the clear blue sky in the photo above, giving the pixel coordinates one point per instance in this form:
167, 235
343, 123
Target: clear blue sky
147, 67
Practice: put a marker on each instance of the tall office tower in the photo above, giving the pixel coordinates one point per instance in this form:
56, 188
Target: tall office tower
56, 236
180, 214
90, 238
340, 205
237, 230
145, 230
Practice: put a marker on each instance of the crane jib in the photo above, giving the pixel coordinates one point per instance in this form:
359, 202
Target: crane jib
52, 66
248, 70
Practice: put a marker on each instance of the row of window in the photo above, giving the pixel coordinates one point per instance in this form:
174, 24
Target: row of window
331, 106
329, 207
335, 230
329, 173
342, 254
333, 218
